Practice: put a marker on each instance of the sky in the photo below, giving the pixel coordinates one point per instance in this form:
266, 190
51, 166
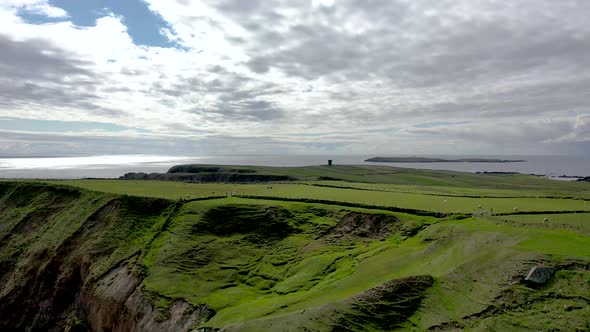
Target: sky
223, 77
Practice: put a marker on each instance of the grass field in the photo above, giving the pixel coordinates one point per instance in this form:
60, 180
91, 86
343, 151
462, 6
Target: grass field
540, 191
321, 254
418, 201
576, 221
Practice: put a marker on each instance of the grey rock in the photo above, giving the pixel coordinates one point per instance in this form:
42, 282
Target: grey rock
540, 274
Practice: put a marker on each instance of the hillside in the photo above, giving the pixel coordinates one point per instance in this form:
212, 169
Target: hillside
409, 250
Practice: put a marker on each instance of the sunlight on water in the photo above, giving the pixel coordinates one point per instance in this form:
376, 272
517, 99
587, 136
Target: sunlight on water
86, 162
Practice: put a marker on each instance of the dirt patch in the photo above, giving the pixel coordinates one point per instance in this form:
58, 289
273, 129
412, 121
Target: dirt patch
385, 307
363, 225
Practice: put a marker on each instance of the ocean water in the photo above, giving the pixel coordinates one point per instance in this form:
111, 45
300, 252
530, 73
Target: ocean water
551, 166
116, 165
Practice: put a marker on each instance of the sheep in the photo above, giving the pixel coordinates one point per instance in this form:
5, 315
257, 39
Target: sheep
545, 220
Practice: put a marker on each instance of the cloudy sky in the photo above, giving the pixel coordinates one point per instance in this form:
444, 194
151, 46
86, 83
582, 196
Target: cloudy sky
190, 77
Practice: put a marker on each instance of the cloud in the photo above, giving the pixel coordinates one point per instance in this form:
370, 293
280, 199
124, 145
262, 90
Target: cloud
38, 59
452, 76
34, 71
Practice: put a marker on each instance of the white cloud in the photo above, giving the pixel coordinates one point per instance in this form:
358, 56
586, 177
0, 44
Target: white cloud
334, 71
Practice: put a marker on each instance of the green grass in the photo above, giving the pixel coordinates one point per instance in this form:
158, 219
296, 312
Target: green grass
575, 221
264, 276
417, 177
296, 272
427, 202
561, 305
274, 258
385, 177
546, 190
49, 219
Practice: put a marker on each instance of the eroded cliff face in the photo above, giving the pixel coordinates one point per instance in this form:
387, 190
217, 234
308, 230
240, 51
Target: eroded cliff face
117, 302
68, 261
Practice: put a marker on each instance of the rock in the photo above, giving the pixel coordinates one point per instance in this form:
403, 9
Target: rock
540, 274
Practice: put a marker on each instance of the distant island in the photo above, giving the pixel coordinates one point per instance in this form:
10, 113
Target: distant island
438, 160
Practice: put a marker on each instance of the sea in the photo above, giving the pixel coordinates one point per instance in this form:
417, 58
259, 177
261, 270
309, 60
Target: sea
113, 166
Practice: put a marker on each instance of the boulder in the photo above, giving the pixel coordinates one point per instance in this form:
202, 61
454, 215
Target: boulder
540, 274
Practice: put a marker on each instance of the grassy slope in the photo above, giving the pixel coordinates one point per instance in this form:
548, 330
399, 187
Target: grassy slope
300, 279
252, 286
37, 219
265, 277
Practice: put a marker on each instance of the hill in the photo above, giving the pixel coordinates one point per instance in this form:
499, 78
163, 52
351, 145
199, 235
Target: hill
403, 249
